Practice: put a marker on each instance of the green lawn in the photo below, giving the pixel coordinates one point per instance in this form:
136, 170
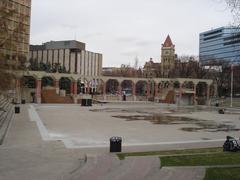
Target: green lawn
224, 158
122, 156
222, 174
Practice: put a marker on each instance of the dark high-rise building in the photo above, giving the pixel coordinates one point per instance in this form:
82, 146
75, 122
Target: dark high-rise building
14, 29
220, 45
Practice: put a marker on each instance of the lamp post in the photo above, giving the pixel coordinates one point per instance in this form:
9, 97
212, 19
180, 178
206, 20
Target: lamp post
231, 85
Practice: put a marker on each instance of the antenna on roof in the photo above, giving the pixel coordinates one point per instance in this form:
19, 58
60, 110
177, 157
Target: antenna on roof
75, 36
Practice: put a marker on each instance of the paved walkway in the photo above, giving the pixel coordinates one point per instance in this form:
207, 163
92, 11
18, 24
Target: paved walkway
24, 155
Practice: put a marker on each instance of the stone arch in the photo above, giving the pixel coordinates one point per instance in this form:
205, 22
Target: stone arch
65, 83
188, 85
28, 88
47, 81
176, 85
127, 87
141, 88
28, 82
112, 86
201, 89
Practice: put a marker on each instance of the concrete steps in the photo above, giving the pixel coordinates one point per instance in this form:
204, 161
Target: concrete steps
6, 114
50, 96
108, 167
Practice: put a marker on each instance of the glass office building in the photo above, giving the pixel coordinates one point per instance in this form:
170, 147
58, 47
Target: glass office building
220, 45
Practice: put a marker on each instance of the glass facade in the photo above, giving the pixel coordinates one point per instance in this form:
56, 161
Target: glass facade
220, 45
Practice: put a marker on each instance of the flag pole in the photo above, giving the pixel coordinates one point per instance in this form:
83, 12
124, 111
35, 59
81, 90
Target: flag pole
231, 85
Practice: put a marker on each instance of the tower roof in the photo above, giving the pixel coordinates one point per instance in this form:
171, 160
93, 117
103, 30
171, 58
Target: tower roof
168, 42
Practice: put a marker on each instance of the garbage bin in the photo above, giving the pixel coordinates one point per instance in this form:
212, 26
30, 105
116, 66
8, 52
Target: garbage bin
115, 144
124, 97
86, 102
17, 109
221, 111
217, 104
23, 101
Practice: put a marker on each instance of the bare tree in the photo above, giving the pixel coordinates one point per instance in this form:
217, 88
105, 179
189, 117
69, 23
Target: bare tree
234, 6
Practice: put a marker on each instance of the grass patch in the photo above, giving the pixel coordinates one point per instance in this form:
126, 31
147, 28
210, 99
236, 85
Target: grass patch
224, 158
122, 156
222, 174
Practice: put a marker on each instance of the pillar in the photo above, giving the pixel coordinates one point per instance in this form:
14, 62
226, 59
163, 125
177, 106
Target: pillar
195, 94
72, 88
148, 89
134, 91
120, 91
56, 85
75, 87
208, 94
104, 91
38, 90
18, 91
88, 88
155, 89
180, 93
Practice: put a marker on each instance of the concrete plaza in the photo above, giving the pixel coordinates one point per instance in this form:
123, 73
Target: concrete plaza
72, 142
139, 124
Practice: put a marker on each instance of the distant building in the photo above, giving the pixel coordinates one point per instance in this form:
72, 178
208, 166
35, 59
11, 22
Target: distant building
66, 57
168, 61
15, 28
220, 45
168, 57
151, 69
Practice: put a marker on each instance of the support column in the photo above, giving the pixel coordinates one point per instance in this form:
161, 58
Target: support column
38, 90
75, 87
104, 92
88, 88
195, 94
75, 92
148, 90
180, 93
134, 91
155, 89
208, 94
56, 85
18, 91
120, 91
72, 88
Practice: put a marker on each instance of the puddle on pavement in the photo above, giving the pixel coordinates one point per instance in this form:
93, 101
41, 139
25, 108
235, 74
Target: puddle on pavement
202, 125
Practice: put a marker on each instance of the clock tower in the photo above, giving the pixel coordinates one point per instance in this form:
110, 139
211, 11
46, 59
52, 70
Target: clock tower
167, 57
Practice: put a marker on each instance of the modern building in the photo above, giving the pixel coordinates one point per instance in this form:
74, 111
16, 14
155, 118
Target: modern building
15, 28
220, 45
168, 57
65, 57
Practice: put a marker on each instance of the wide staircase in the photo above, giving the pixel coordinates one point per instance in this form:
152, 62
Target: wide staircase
106, 167
170, 98
6, 114
50, 96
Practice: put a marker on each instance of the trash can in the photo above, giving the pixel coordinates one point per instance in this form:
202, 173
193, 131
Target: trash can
17, 109
221, 111
115, 144
23, 101
217, 104
124, 97
86, 102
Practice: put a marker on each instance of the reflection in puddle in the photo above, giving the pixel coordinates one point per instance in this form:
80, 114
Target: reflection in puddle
204, 125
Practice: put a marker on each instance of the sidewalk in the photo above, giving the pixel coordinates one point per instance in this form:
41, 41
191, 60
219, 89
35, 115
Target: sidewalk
24, 155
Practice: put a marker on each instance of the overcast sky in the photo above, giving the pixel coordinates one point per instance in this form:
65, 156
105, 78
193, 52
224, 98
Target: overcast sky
125, 29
